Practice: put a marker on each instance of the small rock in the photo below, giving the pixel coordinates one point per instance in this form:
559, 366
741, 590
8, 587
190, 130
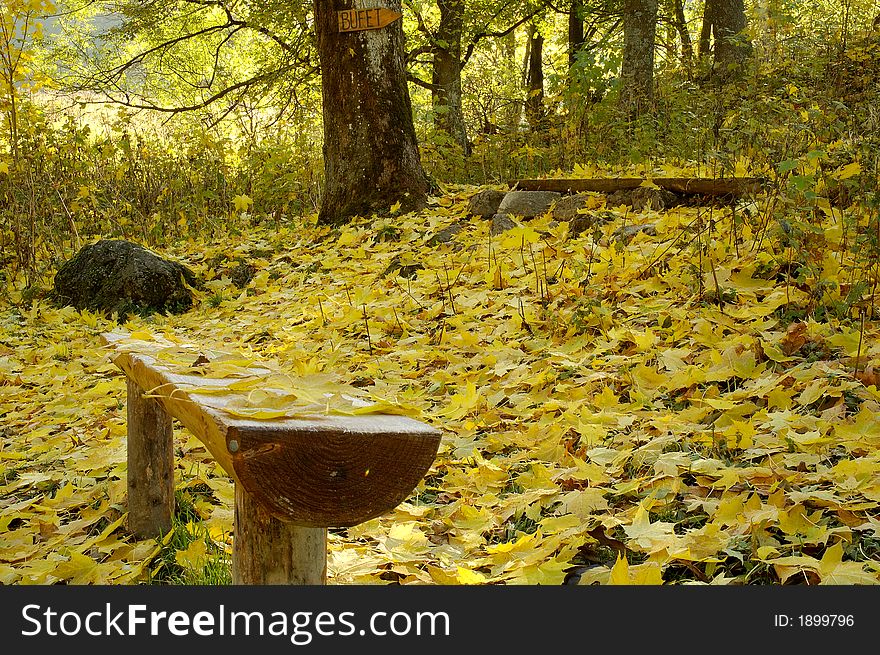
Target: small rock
445, 235
618, 198
485, 203
528, 204
123, 277
242, 274
408, 271
566, 209
583, 222
501, 223
644, 199
627, 232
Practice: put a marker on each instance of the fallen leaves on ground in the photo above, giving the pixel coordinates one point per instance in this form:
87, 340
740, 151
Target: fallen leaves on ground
662, 410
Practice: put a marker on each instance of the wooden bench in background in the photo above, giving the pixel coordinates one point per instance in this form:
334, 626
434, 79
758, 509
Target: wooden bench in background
294, 477
683, 185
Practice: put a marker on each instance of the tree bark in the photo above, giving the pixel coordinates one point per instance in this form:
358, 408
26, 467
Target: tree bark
371, 156
705, 42
534, 106
731, 50
575, 30
446, 75
687, 48
637, 70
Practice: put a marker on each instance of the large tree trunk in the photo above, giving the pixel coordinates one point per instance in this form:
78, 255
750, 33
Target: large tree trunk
535, 113
446, 76
371, 157
731, 50
637, 70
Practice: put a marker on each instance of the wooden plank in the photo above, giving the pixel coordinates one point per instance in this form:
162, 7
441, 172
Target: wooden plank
269, 551
356, 20
320, 470
205, 423
684, 185
150, 474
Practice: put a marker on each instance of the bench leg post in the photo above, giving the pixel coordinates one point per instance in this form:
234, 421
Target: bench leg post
267, 551
150, 465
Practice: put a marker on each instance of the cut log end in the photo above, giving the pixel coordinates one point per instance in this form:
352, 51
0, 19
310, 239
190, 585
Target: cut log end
336, 478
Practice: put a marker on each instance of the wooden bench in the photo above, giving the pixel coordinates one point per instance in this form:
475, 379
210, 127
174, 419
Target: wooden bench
294, 476
683, 185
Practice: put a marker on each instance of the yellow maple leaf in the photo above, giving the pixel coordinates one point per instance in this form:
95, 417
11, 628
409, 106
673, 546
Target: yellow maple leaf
833, 570
622, 573
467, 576
849, 170
242, 202
619, 572
649, 537
194, 557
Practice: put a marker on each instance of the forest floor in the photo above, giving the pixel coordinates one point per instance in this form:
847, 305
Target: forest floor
687, 406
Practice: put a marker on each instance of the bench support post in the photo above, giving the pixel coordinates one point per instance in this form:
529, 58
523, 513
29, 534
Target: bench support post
267, 551
150, 465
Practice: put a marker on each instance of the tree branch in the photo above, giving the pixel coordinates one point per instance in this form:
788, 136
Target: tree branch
482, 35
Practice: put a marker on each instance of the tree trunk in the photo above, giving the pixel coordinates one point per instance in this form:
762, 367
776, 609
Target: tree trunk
511, 112
535, 82
371, 156
731, 50
446, 76
575, 30
637, 70
706, 29
687, 48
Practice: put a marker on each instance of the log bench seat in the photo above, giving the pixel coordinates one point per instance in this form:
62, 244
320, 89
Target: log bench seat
297, 470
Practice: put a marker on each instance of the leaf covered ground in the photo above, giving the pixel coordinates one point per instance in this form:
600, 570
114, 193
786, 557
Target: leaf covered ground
693, 405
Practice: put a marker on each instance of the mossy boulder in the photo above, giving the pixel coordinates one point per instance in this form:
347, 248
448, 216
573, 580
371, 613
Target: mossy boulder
121, 277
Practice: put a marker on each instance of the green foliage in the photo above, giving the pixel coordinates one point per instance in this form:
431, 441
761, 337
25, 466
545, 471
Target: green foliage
188, 555
79, 179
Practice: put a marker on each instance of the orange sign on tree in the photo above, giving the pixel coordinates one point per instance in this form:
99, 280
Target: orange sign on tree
355, 20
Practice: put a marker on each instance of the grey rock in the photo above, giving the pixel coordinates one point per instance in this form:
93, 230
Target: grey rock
242, 274
627, 232
445, 235
566, 209
656, 199
528, 204
583, 222
501, 223
622, 197
123, 277
397, 267
485, 203
644, 199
